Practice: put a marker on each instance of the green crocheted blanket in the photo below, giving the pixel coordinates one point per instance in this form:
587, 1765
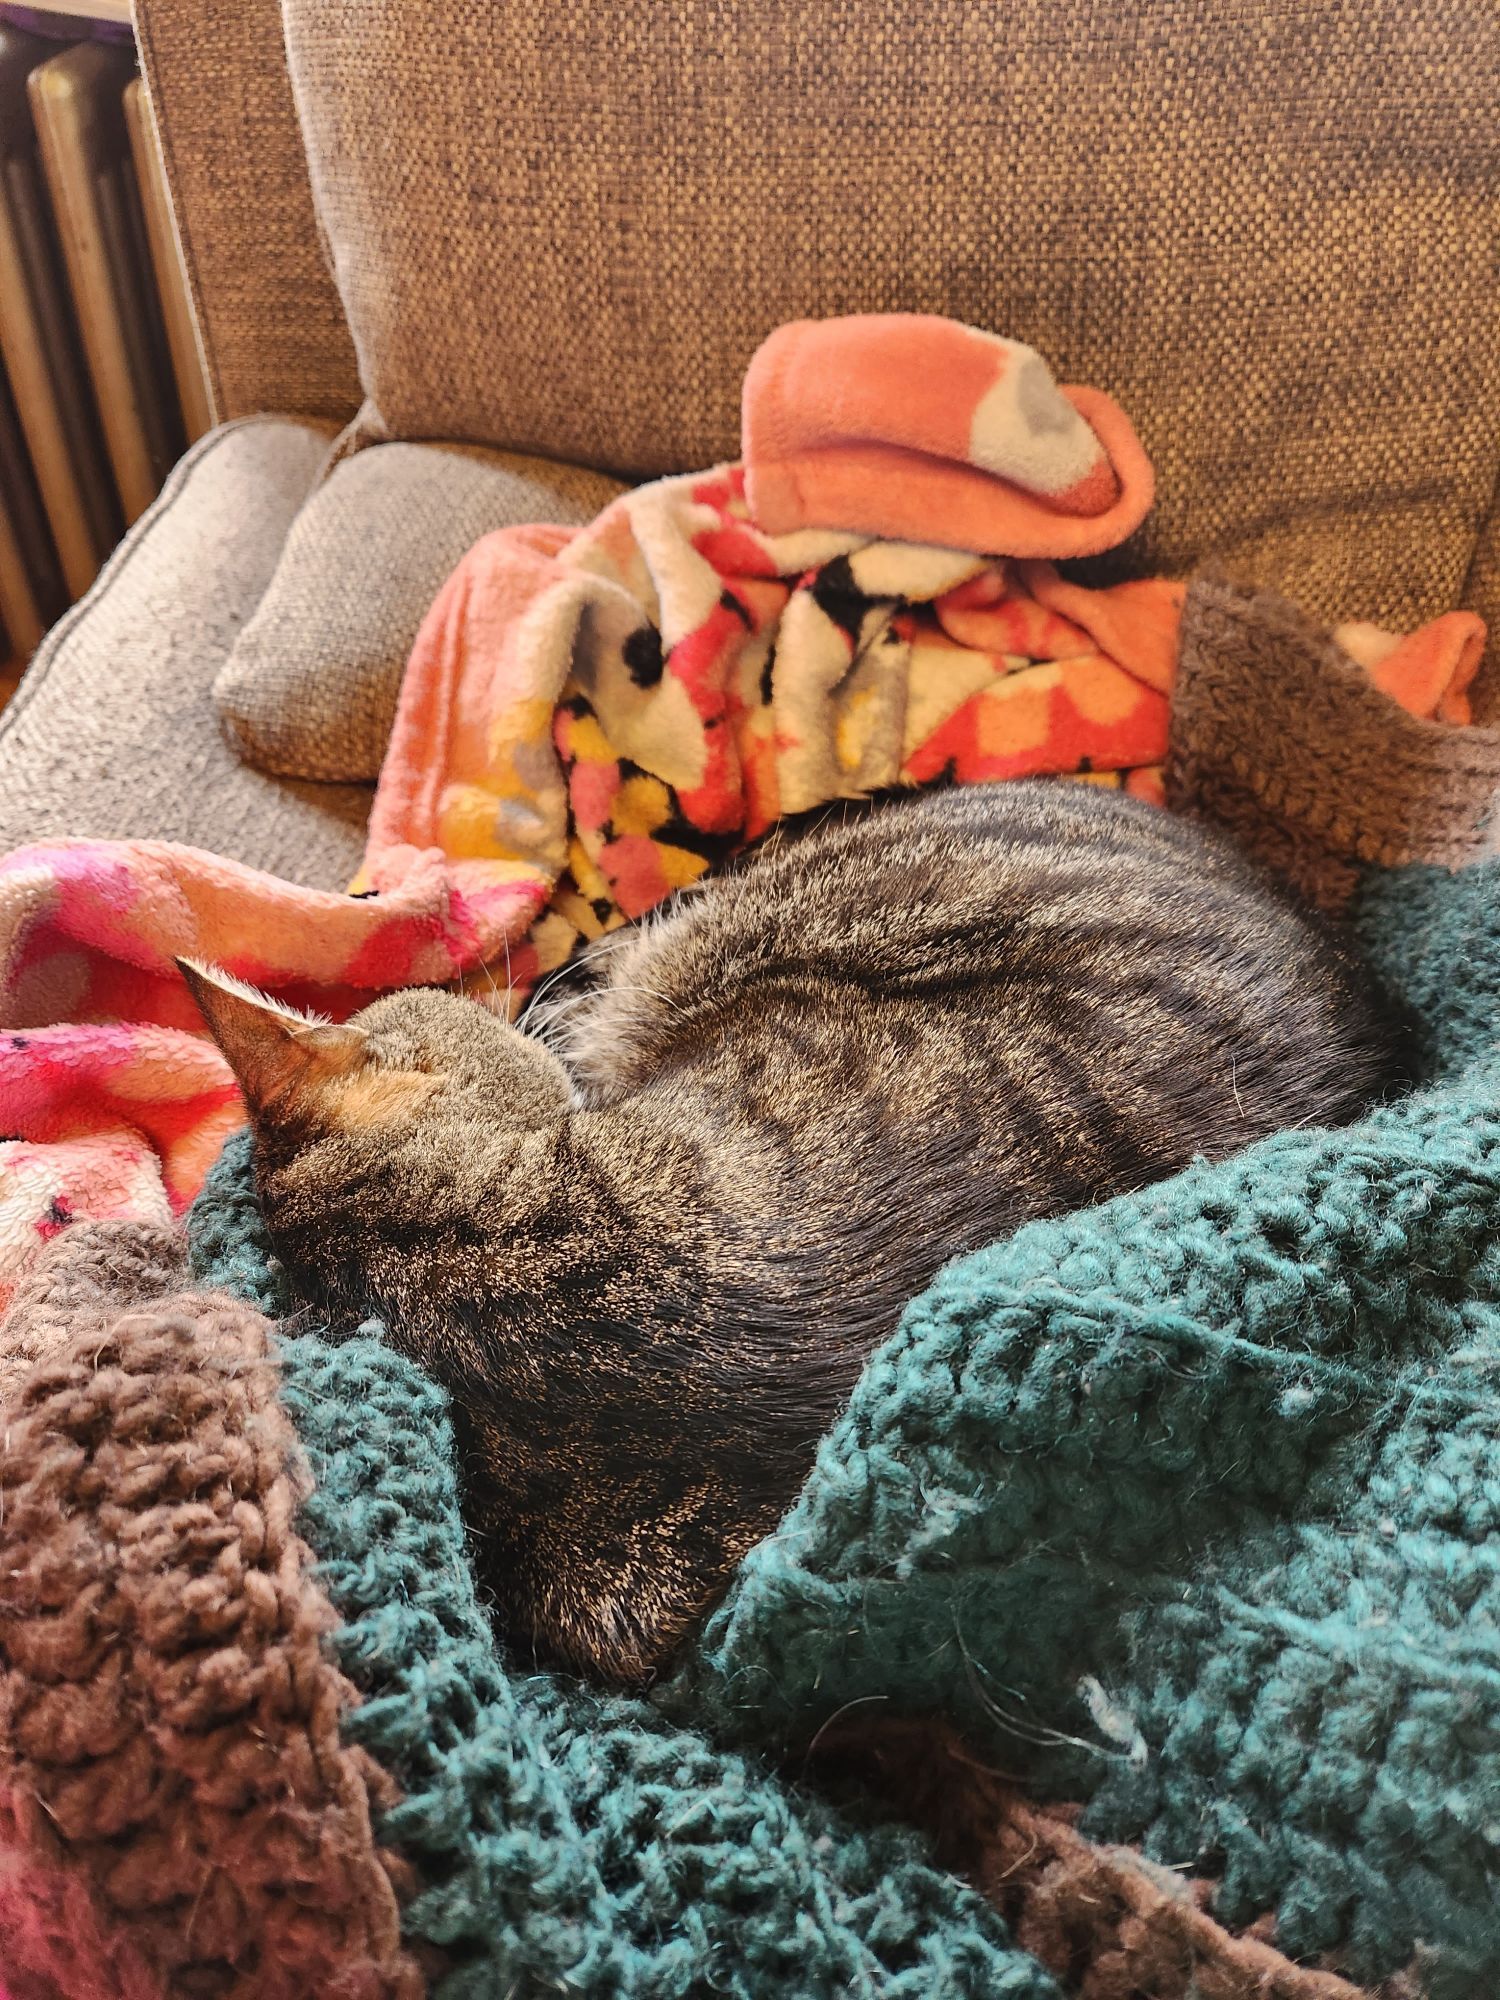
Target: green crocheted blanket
1186, 1506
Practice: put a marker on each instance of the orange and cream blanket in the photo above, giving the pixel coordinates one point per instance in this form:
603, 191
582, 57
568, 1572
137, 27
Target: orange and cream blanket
591, 719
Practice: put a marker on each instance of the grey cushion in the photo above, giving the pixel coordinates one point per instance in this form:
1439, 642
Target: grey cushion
310, 688
114, 733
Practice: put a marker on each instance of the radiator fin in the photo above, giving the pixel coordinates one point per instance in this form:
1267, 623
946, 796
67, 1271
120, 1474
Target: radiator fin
101, 378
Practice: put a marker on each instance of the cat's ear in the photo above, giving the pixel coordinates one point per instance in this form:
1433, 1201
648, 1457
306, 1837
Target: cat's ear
282, 1060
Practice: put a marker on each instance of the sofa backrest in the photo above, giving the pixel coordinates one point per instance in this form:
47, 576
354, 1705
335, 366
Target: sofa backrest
270, 322
1269, 230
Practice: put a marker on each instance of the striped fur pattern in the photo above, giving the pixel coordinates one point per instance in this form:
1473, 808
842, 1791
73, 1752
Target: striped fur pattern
649, 1245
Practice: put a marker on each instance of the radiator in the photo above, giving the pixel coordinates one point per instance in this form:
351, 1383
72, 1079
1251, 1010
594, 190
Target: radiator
100, 380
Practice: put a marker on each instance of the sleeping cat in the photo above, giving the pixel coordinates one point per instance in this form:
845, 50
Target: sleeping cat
648, 1262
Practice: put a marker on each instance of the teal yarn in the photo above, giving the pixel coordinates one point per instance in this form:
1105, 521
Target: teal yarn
1186, 1506
1435, 940
568, 1841
227, 1241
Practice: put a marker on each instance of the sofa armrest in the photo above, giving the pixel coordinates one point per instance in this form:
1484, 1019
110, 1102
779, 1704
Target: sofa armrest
114, 733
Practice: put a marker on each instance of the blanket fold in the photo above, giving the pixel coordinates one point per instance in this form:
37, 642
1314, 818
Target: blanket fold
912, 427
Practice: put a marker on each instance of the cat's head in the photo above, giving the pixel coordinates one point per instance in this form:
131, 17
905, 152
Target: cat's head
417, 1058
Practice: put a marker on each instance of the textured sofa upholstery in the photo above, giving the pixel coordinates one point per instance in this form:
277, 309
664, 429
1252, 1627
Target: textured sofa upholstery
114, 733
1253, 225
270, 325
1270, 232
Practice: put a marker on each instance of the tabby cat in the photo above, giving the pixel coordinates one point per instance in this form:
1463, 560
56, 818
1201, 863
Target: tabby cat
649, 1259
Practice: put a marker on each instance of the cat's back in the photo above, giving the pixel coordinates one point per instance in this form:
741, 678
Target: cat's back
1027, 920
988, 871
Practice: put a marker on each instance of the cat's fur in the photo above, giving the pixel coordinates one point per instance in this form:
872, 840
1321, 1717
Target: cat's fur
650, 1277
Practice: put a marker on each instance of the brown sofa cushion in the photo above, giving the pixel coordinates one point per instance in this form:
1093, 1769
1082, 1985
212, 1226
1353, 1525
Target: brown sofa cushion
310, 688
1268, 230
1482, 594
270, 323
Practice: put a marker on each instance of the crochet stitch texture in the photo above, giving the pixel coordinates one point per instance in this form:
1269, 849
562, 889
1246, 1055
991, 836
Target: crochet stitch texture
570, 1841
1186, 1505
179, 1813
1189, 1504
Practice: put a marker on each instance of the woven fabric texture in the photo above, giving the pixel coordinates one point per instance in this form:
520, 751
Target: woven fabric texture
309, 690
1304, 328
1481, 593
270, 324
170, 1753
114, 735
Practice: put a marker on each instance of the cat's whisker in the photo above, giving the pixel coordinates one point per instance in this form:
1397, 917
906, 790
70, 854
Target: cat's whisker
577, 963
548, 980
569, 1003
484, 967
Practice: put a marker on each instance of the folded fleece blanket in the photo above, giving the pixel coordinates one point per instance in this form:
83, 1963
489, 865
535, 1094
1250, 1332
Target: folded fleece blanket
1181, 1507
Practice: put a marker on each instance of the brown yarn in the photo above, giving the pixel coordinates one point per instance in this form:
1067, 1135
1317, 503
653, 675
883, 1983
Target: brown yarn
1353, 778
78, 1278
1110, 1924
169, 1722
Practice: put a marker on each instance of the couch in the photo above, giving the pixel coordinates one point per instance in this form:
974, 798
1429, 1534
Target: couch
554, 243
